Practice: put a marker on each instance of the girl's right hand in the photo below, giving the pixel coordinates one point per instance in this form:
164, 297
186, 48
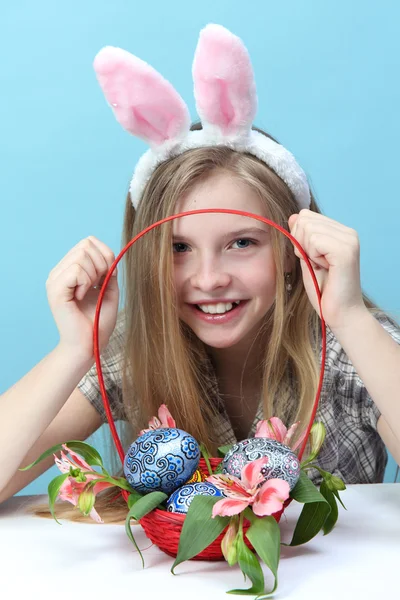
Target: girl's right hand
73, 298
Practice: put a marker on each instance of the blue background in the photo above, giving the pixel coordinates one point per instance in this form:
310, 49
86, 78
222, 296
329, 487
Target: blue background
328, 87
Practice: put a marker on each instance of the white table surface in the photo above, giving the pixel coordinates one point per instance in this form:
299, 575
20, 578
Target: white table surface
359, 560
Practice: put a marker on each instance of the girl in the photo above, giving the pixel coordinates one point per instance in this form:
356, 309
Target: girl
220, 319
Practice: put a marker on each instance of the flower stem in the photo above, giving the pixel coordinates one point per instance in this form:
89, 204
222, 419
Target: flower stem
206, 457
241, 519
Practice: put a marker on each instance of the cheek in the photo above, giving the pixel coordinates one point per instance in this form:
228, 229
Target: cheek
261, 276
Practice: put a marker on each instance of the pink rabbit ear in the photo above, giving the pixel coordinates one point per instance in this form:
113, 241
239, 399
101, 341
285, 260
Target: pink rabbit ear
224, 85
144, 103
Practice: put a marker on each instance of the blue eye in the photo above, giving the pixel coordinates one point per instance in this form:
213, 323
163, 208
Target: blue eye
243, 243
179, 247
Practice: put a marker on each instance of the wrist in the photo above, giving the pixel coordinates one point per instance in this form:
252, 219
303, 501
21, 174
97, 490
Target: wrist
78, 359
353, 323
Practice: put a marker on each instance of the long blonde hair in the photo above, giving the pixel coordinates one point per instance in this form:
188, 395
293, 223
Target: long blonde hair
164, 361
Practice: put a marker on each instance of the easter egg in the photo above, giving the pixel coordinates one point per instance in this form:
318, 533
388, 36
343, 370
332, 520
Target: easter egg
181, 499
161, 460
197, 477
280, 461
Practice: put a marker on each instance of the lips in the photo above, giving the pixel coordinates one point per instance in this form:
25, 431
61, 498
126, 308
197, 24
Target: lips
218, 318
219, 301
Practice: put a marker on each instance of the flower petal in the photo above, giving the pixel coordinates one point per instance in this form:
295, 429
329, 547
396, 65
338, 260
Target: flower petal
262, 430
278, 429
231, 486
290, 433
154, 423
165, 417
299, 441
100, 486
63, 463
78, 460
95, 516
270, 497
251, 473
68, 492
228, 507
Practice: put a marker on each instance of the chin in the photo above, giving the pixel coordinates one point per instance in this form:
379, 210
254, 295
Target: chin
218, 342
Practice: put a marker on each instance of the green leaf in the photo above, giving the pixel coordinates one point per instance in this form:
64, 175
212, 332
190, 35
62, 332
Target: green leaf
334, 483
218, 469
132, 498
339, 498
314, 513
138, 508
146, 504
265, 536
205, 454
120, 482
199, 528
88, 453
305, 491
48, 452
251, 568
223, 450
129, 533
310, 522
53, 489
333, 515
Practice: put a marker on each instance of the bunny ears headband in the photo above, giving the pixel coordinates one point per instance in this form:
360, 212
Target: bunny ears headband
149, 107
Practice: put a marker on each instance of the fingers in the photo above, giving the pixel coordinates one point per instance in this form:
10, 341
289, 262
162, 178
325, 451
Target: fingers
308, 219
326, 242
88, 251
83, 267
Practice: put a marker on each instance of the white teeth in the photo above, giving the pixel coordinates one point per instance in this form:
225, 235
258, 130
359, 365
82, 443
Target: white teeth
219, 308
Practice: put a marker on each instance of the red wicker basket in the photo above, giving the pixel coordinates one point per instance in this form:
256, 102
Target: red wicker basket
163, 528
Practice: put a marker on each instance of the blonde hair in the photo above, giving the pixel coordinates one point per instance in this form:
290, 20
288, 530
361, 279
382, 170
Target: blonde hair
164, 361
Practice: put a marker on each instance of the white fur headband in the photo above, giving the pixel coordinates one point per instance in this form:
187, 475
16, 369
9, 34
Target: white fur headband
149, 107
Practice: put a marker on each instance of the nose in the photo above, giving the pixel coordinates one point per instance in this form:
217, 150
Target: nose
209, 275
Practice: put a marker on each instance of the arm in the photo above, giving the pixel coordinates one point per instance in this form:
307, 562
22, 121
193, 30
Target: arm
334, 251
29, 409
77, 420
376, 357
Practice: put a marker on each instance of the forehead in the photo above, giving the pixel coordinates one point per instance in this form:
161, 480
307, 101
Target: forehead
221, 190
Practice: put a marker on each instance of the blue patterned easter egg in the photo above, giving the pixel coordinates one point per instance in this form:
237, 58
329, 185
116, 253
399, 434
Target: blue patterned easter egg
181, 499
161, 460
280, 461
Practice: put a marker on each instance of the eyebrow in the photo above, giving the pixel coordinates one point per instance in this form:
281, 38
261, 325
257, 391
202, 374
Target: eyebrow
233, 234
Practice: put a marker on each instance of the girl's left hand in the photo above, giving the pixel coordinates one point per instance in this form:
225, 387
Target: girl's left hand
334, 253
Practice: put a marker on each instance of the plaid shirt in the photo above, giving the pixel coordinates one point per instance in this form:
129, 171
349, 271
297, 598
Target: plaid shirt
353, 449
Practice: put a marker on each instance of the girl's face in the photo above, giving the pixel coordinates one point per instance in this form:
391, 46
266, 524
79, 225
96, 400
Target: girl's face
224, 269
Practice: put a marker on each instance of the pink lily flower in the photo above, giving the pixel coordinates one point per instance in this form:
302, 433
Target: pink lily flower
265, 497
71, 488
274, 429
164, 420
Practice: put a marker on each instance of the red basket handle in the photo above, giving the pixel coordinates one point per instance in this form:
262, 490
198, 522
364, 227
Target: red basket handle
110, 419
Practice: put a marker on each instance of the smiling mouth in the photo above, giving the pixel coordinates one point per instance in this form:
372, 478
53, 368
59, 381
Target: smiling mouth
220, 308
